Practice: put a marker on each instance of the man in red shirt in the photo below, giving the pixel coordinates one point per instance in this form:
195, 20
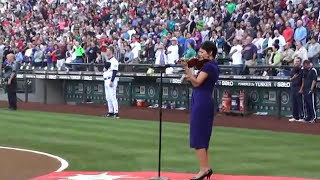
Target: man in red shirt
103, 49
19, 43
288, 33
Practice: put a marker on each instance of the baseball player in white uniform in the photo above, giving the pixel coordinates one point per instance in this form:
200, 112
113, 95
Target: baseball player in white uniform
111, 82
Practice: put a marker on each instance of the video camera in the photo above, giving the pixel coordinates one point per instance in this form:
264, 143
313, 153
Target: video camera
2, 83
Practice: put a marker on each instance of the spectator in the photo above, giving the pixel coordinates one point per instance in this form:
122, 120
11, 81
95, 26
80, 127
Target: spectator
229, 35
236, 56
208, 19
39, 23
274, 60
38, 56
128, 56
301, 52
220, 40
54, 55
300, 33
249, 54
287, 55
204, 34
267, 43
79, 53
190, 52
136, 49
92, 54
313, 48
280, 38
61, 55
48, 53
103, 45
258, 42
70, 56
173, 51
288, 34
116, 48
150, 45
188, 41
161, 57
28, 53
18, 56
198, 39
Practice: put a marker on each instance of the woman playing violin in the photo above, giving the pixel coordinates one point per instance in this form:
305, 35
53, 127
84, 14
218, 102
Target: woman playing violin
202, 110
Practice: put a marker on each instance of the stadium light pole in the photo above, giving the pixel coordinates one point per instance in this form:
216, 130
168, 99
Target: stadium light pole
162, 69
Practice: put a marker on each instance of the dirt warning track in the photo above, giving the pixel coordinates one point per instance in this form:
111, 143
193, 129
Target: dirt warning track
22, 164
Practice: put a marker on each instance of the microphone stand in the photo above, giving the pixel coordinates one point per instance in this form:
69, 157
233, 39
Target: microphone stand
162, 69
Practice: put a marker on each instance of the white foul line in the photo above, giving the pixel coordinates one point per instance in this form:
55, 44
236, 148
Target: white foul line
64, 163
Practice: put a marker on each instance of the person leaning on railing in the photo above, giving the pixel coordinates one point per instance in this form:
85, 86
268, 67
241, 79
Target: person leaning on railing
249, 54
236, 56
80, 52
92, 54
37, 57
301, 51
287, 55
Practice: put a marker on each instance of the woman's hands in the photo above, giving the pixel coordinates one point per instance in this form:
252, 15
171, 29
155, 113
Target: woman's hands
184, 64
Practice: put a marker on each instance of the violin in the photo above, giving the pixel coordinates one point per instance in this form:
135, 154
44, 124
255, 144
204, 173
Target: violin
194, 62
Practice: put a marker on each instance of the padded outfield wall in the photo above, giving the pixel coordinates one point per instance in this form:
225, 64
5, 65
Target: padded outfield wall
268, 95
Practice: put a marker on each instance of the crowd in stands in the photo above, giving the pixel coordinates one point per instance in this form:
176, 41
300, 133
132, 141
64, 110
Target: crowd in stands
54, 33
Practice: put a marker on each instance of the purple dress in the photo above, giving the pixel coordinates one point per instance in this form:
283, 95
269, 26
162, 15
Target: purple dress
202, 110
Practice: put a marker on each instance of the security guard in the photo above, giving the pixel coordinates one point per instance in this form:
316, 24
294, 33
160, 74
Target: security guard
111, 82
11, 81
309, 86
296, 91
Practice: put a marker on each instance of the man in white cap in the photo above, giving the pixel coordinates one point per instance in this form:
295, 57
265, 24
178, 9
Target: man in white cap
173, 51
172, 54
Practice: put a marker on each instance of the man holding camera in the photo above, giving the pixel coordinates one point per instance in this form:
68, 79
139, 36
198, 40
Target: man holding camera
11, 81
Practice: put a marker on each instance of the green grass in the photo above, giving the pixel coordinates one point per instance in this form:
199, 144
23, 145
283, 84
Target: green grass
97, 144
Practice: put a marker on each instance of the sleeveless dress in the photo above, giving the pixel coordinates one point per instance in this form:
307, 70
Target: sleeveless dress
202, 109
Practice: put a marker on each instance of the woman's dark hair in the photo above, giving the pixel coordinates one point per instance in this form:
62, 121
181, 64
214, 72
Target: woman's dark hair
191, 44
275, 45
209, 46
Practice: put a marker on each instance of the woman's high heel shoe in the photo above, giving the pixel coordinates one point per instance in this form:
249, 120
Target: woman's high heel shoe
206, 175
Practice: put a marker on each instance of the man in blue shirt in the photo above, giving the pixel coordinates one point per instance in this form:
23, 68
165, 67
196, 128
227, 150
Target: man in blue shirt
249, 54
309, 85
181, 41
300, 33
296, 91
